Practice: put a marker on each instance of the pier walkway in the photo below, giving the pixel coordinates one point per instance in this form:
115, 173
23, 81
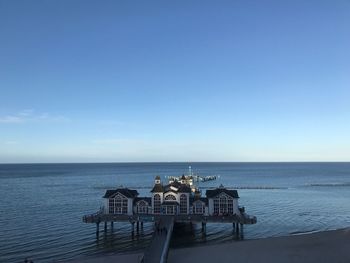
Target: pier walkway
157, 252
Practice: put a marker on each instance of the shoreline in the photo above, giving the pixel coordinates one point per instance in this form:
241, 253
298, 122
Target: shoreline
322, 246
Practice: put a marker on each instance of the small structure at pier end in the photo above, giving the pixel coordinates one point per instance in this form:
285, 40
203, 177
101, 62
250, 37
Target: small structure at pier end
177, 201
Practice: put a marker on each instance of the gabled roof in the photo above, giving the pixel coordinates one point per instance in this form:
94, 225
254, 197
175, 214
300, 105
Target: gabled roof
146, 199
157, 188
124, 191
202, 199
217, 191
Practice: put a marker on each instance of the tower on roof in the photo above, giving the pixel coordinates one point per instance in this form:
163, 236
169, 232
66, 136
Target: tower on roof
157, 180
183, 179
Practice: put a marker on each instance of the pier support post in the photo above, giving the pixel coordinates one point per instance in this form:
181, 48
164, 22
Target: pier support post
132, 227
97, 229
141, 225
242, 235
105, 226
237, 230
112, 224
204, 227
137, 226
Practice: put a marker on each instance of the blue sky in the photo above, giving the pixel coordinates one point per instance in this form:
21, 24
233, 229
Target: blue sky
84, 81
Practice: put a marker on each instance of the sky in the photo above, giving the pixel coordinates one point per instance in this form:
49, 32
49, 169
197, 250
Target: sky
143, 81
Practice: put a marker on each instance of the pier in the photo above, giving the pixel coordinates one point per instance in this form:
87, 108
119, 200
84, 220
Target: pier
237, 221
157, 251
176, 202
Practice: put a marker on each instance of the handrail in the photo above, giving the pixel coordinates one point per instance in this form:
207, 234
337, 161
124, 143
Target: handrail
163, 258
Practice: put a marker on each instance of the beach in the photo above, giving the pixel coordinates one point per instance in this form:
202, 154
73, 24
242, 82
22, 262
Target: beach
327, 246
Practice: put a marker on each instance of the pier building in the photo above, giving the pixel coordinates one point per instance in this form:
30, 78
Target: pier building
177, 201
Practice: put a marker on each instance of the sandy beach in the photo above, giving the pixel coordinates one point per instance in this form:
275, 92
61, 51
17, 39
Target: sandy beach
329, 246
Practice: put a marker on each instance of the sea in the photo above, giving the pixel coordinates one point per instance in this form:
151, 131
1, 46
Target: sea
42, 205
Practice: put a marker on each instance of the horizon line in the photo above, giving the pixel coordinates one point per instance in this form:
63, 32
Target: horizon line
167, 162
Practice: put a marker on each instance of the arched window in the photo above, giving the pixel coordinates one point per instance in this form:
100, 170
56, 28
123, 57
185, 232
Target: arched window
156, 204
183, 204
142, 207
170, 197
223, 204
120, 205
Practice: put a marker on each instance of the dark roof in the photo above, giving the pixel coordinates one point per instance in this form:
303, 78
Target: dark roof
194, 199
170, 203
157, 188
147, 199
157, 177
184, 189
183, 177
124, 191
217, 191
181, 188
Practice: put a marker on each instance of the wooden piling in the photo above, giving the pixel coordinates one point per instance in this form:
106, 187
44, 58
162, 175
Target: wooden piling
237, 230
105, 226
204, 227
97, 229
132, 227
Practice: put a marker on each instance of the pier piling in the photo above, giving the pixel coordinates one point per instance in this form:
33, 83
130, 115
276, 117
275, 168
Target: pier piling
105, 226
204, 227
132, 227
97, 229
237, 230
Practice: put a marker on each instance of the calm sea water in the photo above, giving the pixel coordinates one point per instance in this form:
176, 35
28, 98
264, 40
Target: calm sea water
42, 204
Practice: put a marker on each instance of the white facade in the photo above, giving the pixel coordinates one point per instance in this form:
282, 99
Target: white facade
223, 204
172, 200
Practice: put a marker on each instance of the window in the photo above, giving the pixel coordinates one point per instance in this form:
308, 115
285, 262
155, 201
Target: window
142, 207
118, 205
156, 204
223, 204
121, 205
111, 205
216, 205
183, 204
170, 197
198, 207
230, 206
